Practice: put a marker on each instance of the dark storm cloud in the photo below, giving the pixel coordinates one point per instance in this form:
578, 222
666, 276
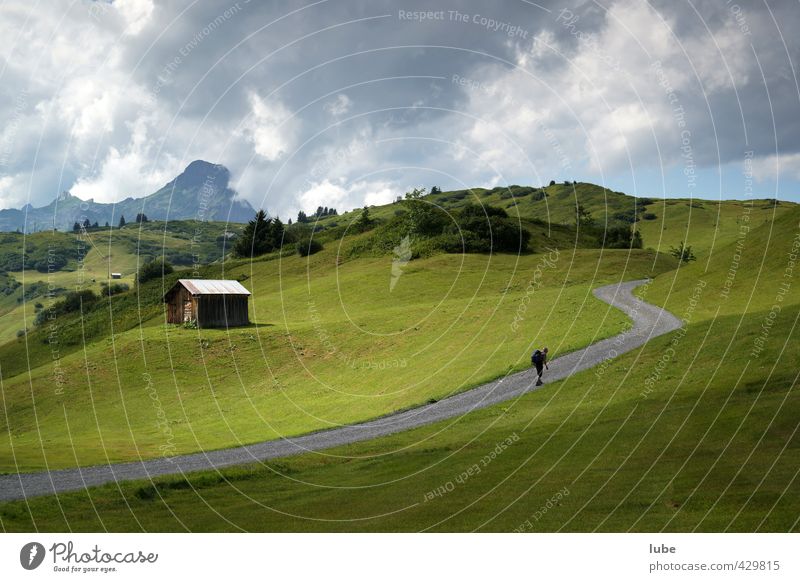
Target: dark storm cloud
336, 101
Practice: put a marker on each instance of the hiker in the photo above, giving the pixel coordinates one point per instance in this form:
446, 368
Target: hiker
539, 359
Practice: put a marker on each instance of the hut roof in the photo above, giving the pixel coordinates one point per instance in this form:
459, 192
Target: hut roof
211, 287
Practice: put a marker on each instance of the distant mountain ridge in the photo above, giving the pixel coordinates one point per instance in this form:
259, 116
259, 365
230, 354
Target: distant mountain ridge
201, 192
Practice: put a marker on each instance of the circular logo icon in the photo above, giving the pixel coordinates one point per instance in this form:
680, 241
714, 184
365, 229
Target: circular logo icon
31, 555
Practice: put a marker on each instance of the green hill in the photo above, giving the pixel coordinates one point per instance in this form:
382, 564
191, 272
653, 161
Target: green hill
704, 224
695, 430
44, 266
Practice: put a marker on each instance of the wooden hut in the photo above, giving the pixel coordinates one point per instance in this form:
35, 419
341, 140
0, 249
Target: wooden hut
208, 302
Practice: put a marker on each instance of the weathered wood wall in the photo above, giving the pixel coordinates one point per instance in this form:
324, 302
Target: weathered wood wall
175, 305
222, 310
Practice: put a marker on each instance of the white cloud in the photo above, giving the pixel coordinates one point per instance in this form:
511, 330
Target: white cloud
343, 196
771, 167
136, 13
269, 128
339, 106
129, 172
593, 96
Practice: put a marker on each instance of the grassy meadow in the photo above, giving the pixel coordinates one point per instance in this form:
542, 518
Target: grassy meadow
695, 431
91, 257
328, 346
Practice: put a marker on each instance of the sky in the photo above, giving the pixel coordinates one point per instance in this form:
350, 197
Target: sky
349, 103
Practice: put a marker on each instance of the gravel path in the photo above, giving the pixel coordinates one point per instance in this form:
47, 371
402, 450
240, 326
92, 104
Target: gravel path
649, 321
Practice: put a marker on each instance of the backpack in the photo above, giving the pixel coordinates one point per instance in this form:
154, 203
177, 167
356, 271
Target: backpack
536, 358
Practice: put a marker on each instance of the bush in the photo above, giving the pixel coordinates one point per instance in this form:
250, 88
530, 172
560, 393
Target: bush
73, 301
649, 216
488, 228
308, 247
113, 289
620, 237
471, 229
627, 216
683, 253
154, 269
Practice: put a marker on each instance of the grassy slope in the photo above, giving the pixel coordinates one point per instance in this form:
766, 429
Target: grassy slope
331, 345
106, 251
712, 446
704, 224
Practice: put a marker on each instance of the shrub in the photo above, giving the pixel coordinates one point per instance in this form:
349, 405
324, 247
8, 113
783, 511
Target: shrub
113, 289
620, 237
364, 222
628, 216
308, 247
649, 216
487, 228
153, 269
72, 302
683, 253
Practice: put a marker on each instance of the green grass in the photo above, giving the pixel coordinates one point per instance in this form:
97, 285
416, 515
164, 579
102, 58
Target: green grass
707, 442
331, 346
705, 224
703, 439
94, 255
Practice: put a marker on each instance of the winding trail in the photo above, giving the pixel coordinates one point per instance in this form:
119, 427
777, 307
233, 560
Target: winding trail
648, 321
